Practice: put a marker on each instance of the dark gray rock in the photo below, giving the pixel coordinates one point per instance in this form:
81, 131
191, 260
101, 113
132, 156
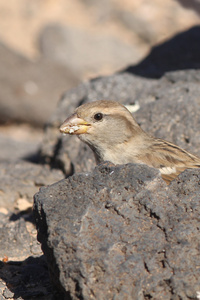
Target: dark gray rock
120, 233
23, 269
169, 109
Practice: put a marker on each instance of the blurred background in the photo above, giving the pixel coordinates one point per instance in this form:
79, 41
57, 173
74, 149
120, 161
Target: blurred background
49, 46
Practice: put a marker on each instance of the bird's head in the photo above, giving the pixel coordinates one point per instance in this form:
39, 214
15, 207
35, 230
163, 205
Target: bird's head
101, 124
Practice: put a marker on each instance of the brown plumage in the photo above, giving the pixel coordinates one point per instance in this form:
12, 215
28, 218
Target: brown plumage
113, 135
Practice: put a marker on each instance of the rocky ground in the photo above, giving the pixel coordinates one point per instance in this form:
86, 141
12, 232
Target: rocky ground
120, 233
112, 220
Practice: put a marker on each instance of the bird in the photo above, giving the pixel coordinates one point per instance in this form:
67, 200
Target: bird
112, 133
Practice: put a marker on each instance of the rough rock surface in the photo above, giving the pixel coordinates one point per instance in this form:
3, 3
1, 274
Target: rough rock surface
120, 233
23, 269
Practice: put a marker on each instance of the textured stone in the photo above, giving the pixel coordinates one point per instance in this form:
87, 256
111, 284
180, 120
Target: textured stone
120, 233
23, 269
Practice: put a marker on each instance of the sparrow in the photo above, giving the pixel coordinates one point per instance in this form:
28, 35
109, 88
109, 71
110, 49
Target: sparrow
113, 134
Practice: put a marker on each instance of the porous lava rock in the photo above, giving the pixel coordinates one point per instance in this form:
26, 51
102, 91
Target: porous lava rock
119, 232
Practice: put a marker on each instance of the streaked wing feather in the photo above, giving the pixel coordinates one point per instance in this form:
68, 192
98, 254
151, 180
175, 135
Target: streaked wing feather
173, 160
169, 177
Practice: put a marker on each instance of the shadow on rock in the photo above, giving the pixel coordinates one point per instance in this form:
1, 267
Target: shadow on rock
179, 53
25, 279
33, 157
26, 215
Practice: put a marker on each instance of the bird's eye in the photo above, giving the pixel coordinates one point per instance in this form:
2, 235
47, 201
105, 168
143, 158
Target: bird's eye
98, 116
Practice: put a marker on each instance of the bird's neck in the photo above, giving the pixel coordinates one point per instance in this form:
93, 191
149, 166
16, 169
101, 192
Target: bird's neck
122, 153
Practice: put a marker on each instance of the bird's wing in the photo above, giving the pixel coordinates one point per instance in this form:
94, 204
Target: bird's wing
168, 174
170, 159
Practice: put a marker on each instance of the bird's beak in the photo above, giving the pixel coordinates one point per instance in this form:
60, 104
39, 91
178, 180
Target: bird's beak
74, 125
